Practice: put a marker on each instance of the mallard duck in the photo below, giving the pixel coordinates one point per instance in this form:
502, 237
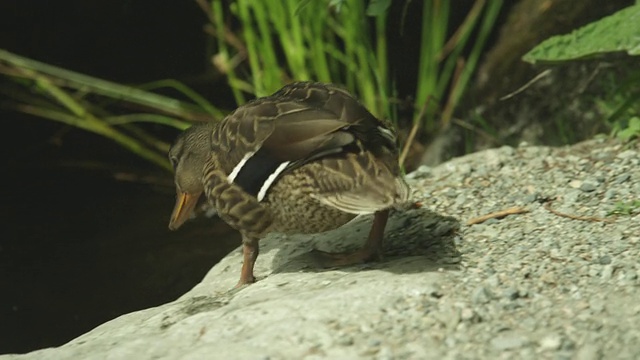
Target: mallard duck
307, 159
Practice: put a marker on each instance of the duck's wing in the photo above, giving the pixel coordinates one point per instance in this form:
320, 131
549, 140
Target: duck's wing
307, 123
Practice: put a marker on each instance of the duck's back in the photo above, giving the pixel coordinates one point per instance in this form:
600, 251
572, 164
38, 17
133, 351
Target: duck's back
311, 151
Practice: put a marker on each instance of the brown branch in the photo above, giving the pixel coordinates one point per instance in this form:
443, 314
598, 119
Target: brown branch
453, 40
447, 112
465, 125
413, 132
497, 215
527, 85
204, 6
410, 140
575, 217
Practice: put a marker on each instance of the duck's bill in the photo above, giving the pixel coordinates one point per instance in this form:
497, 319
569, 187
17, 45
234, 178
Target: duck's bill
185, 203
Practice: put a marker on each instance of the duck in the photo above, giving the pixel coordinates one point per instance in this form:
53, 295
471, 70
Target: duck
307, 159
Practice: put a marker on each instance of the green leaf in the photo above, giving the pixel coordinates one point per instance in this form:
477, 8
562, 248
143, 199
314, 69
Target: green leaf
619, 32
336, 4
377, 7
632, 129
300, 6
625, 208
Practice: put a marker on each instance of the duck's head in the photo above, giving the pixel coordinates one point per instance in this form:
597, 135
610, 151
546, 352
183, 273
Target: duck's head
188, 156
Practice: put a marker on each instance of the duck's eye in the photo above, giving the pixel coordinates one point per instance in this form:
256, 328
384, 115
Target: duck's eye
174, 161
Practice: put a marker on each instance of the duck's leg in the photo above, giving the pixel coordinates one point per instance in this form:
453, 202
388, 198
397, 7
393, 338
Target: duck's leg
250, 251
242, 212
372, 249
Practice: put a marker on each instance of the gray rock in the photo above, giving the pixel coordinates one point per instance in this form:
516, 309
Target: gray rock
566, 288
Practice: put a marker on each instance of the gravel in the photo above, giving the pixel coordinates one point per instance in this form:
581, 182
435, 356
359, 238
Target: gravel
545, 286
559, 281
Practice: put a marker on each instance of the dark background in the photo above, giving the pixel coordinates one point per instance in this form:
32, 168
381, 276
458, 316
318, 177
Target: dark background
79, 247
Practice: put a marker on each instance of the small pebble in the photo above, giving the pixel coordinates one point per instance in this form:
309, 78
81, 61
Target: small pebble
482, 295
588, 352
604, 260
509, 341
607, 272
622, 178
511, 293
588, 186
551, 342
627, 154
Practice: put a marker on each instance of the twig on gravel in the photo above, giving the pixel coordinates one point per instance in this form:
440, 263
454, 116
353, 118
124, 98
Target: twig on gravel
497, 215
576, 217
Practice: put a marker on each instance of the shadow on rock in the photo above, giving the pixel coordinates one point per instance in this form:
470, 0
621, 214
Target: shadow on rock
416, 240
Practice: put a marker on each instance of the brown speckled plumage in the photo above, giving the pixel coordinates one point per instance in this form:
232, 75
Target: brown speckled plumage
307, 159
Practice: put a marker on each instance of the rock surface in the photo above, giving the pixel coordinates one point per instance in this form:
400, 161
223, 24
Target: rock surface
530, 285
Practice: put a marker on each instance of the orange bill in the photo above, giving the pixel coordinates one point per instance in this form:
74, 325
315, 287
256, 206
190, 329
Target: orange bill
185, 203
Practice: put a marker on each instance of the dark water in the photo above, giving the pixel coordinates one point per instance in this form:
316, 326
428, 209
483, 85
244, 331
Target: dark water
78, 247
